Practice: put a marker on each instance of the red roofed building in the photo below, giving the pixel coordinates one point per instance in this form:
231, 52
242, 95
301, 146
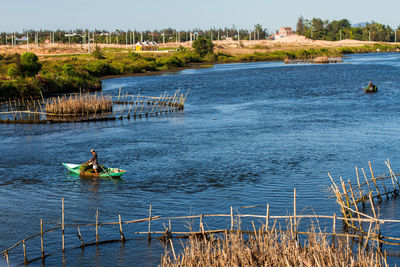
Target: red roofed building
285, 31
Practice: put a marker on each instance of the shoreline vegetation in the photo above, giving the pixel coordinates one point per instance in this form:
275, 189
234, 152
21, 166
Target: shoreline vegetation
25, 74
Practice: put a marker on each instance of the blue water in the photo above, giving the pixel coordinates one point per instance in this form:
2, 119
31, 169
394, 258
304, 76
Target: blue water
250, 133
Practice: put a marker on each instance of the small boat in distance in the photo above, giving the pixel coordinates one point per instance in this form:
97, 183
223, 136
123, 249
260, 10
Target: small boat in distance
371, 88
105, 173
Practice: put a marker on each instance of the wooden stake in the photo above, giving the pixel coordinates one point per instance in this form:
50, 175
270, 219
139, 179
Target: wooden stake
25, 257
294, 213
267, 218
6, 255
172, 247
120, 229
202, 227
366, 180
359, 188
149, 235
119, 93
372, 204
41, 238
334, 228
80, 238
391, 177
392, 173
356, 208
231, 218
97, 227
373, 180
62, 225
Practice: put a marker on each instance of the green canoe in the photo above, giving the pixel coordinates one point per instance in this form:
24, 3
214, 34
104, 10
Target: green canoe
109, 172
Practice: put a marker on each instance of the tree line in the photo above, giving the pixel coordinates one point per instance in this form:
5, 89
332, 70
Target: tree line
336, 30
79, 36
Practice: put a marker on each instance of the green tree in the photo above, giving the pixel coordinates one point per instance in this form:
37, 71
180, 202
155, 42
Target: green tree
30, 65
300, 27
203, 46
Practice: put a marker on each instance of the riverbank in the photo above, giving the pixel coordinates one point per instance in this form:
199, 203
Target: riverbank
61, 72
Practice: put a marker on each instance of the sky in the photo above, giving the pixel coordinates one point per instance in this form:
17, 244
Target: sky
18, 15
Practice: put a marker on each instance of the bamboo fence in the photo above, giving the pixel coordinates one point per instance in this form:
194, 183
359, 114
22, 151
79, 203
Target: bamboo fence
269, 223
124, 106
353, 199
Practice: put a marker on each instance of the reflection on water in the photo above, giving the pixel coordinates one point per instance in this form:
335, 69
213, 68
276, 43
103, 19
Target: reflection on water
249, 134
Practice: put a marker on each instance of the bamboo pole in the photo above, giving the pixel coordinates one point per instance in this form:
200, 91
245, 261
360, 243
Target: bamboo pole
184, 99
366, 180
6, 256
25, 256
97, 227
155, 104
119, 93
149, 235
294, 213
334, 228
384, 188
391, 176
173, 250
359, 188
160, 102
356, 207
120, 229
80, 237
141, 109
41, 239
62, 225
373, 180
267, 218
231, 218
392, 173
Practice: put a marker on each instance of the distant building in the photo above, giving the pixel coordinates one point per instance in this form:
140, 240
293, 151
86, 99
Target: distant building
23, 39
285, 31
146, 46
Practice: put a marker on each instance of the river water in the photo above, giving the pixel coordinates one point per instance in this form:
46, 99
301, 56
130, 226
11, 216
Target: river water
250, 133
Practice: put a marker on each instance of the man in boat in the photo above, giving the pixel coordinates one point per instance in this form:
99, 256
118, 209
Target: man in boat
94, 160
371, 85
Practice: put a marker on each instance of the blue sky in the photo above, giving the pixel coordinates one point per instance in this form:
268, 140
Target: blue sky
17, 15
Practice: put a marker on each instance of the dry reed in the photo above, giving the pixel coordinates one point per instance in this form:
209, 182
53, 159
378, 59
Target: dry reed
80, 105
270, 249
325, 59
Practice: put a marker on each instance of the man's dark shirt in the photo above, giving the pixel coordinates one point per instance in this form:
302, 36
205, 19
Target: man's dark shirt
94, 159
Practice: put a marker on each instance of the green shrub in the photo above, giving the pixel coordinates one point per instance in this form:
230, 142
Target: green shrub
13, 71
98, 54
30, 65
210, 57
101, 68
68, 69
170, 62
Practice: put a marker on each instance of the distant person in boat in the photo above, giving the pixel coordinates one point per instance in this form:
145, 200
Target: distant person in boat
371, 85
94, 160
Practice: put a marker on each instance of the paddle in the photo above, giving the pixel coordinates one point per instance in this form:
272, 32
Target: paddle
109, 176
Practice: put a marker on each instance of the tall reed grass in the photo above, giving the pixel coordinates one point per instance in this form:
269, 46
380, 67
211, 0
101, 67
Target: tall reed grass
271, 249
80, 105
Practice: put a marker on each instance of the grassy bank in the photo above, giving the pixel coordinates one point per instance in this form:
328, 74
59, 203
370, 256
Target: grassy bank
73, 73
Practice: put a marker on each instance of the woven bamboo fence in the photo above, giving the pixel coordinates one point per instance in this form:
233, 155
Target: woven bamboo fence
353, 199
269, 223
124, 106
